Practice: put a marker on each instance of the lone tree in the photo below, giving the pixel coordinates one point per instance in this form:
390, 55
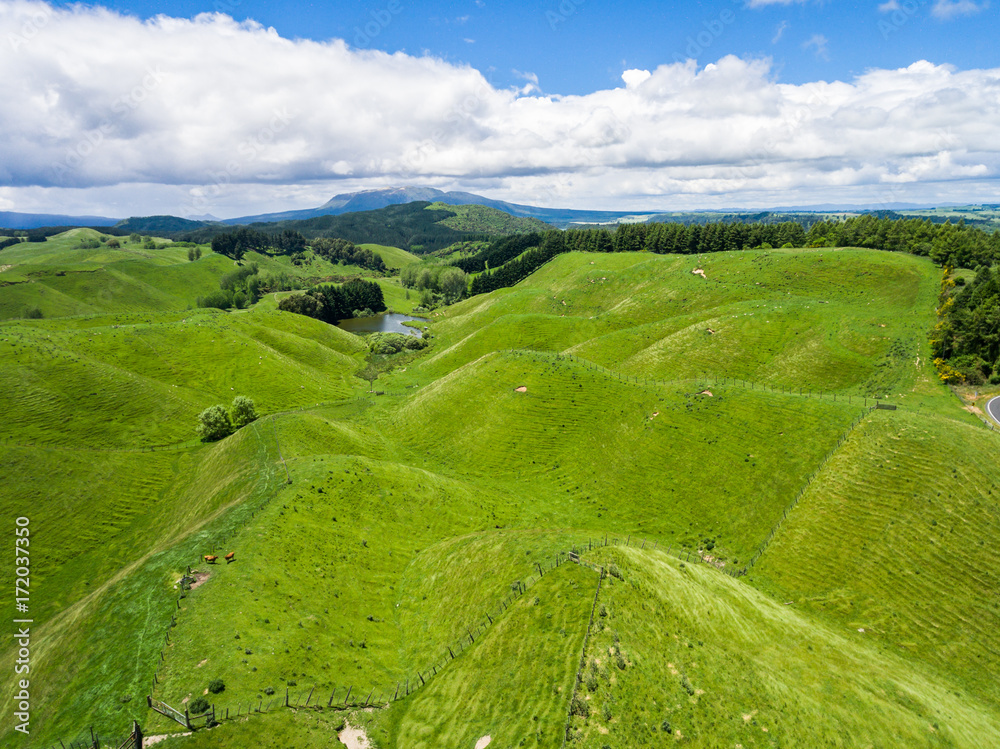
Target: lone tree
214, 423
242, 411
369, 373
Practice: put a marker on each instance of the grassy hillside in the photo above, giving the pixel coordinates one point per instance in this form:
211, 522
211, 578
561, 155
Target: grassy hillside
682, 654
60, 278
393, 257
617, 396
482, 219
898, 536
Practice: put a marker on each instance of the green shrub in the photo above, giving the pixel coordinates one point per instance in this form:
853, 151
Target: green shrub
215, 686
214, 424
242, 412
687, 685
198, 706
268, 691
579, 707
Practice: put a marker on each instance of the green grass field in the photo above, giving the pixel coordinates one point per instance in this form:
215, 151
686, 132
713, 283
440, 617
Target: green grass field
376, 537
60, 279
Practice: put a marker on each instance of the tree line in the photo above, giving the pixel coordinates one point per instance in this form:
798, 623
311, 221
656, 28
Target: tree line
966, 340
945, 243
437, 282
957, 245
237, 243
331, 303
345, 252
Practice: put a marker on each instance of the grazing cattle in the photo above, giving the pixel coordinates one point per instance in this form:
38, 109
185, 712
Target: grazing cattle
230, 557
210, 559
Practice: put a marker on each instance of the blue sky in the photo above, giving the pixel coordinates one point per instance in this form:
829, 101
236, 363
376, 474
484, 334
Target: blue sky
645, 106
579, 46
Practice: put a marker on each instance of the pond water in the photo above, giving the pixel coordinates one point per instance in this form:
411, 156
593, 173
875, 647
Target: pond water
383, 323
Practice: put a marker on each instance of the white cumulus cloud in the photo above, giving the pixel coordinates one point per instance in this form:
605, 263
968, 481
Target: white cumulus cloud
209, 115
948, 9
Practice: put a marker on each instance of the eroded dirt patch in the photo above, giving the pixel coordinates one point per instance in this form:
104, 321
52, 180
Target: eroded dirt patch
353, 738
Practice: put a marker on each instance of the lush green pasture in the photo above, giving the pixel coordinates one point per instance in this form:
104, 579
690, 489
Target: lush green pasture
683, 649
140, 380
393, 257
112, 533
594, 452
898, 536
514, 684
60, 279
845, 321
611, 394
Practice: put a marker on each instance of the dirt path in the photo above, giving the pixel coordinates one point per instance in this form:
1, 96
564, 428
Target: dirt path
353, 738
151, 740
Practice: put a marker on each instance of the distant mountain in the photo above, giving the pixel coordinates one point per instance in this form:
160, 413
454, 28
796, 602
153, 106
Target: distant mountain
9, 220
369, 200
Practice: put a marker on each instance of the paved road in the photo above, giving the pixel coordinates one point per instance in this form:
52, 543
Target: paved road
993, 409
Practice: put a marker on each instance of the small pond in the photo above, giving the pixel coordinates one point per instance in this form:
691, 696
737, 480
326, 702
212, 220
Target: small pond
383, 323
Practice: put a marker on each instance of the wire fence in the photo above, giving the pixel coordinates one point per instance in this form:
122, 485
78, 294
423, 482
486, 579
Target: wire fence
706, 380
972, 409
350, 696
805, 487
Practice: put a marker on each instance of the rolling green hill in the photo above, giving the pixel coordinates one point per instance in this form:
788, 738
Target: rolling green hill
486, 220
60, 278
409, 551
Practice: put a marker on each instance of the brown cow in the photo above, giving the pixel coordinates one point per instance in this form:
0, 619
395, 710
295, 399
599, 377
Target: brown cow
230, 557
210, 559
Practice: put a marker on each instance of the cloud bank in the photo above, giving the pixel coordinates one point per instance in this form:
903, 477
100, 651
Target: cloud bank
93, 99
